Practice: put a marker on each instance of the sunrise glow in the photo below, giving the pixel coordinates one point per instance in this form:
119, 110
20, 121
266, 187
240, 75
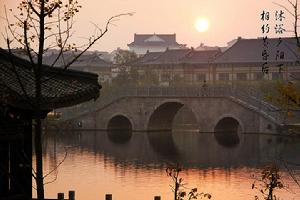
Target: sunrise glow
202, 25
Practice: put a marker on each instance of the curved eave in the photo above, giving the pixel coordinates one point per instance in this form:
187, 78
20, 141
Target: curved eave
60, 87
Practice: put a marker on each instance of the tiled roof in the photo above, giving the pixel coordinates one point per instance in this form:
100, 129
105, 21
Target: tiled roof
178, 56
172, 56
250, 51
85, 60
148, 57
154, 39
60, 88
197, 57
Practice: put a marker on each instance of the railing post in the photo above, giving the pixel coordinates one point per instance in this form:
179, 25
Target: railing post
108, 197
157, 198
60, 196
71, 195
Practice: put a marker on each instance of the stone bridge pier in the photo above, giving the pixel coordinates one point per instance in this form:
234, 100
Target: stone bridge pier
157, 114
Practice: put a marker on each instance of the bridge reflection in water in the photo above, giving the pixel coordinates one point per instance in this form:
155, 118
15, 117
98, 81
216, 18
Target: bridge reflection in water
119, 129
109, 162
155, 110
228, 132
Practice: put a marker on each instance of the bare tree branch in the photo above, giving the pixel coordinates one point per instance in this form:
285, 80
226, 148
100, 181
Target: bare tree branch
91, 42
33, 9
14, 69
290, 172
27, 44
60, 163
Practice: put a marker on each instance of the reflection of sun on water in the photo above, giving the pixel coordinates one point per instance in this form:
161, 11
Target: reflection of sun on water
202, 24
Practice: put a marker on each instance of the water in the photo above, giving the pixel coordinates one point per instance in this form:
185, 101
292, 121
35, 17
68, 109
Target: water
131, 166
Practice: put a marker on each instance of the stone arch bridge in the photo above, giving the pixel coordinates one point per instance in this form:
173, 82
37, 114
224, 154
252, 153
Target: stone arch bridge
153, 109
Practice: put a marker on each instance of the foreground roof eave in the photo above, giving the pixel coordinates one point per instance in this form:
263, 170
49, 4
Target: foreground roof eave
60, 87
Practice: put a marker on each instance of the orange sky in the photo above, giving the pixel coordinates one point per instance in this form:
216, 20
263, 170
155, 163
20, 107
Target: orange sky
228, 19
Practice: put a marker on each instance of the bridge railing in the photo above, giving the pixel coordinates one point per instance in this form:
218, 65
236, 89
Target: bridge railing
258, 102
248, 96
178, 91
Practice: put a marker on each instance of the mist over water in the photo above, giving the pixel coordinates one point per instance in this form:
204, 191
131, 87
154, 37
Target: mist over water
131, 166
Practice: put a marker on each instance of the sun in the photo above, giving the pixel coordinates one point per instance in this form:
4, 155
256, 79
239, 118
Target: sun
202, 24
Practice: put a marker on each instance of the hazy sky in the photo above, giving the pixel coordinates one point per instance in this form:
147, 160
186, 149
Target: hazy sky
228, 19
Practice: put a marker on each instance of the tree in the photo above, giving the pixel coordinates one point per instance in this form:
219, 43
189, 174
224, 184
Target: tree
122, 79
270, 181
149, 78
178, 185
287, 98
294, 13
287, 94
124, 57
40, 26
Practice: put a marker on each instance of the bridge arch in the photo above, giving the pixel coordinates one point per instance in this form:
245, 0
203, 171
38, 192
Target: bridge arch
227, 131
161, 119
230, 116
119, 122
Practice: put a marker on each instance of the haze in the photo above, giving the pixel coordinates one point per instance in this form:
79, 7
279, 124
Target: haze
228, 19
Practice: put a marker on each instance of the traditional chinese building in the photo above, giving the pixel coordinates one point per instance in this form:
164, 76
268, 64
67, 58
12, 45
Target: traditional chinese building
243, 60
184, 65
256, 59
59, 88
88, 62
144, 43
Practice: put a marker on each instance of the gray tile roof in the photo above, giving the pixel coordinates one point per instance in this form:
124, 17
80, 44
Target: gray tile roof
172, 56
250, 51
143, 40
60, 88
85, 60
201, 57
148, 57
178, 56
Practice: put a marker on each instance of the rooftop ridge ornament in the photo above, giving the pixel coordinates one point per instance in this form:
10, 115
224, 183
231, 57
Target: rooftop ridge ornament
154, 38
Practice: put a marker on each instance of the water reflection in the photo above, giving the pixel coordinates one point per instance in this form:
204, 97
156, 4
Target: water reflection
135, 165
228, 139
119, 136
228, 132
192, 150
163, 144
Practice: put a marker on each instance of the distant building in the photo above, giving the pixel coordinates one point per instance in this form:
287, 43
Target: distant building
175, 65
241, 61
244, 60
203, 47
144, 43
88, 62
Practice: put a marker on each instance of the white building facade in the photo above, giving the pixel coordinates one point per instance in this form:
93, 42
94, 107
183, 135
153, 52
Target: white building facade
144, 43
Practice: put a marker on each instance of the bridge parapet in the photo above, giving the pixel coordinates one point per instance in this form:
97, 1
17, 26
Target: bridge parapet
246, 96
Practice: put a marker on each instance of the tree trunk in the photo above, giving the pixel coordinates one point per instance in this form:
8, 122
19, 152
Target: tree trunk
38, 96
39, 159
38, 138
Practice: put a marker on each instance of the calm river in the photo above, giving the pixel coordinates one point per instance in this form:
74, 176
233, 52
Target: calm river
131, 166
